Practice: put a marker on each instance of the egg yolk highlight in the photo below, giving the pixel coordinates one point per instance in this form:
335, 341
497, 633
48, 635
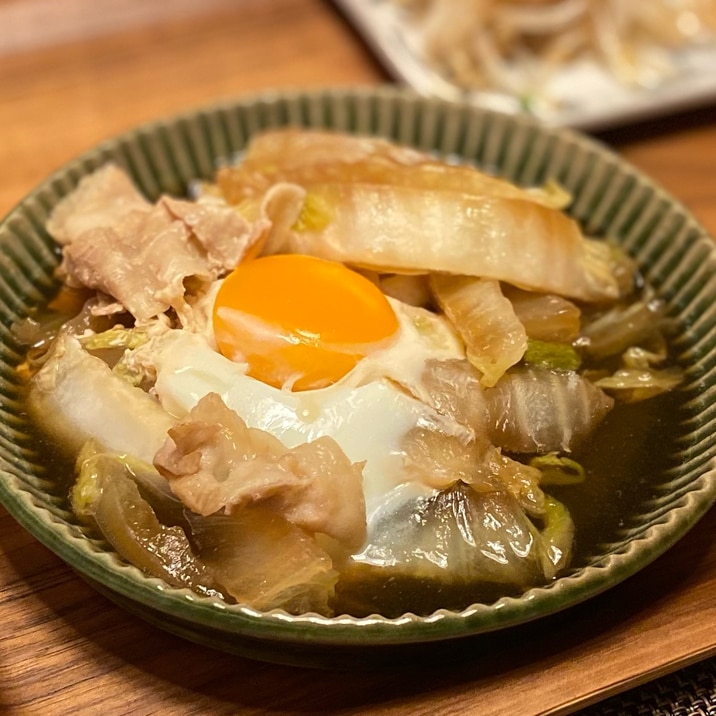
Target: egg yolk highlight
300, 321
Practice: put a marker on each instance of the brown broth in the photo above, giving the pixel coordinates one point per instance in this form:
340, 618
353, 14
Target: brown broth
624, 460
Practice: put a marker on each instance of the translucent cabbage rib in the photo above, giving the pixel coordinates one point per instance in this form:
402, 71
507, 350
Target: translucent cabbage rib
535, 410
263, 560
423, 548
404, 229
494, 337
314, 157
63, 401
457, 534
392, 209
546, 317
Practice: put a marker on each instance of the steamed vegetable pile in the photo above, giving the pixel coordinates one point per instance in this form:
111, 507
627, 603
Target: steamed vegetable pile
343, 374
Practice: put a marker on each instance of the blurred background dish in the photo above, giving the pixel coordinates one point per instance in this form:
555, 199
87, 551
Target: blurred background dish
589, 64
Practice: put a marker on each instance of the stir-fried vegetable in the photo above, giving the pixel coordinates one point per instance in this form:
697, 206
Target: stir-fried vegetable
516, 46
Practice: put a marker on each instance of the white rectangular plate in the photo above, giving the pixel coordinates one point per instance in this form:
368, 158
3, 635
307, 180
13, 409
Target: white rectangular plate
584, 95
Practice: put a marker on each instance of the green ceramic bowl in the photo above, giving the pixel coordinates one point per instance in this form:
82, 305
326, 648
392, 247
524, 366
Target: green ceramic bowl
610, 198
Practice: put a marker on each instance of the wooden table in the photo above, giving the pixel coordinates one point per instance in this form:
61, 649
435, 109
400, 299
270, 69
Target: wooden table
92, 68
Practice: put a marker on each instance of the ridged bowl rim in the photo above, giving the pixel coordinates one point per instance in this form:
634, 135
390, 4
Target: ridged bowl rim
610, 196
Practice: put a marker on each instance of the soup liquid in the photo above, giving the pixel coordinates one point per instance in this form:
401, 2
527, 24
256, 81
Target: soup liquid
623, 460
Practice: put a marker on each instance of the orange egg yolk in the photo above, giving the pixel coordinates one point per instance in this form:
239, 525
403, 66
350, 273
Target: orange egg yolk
299, 321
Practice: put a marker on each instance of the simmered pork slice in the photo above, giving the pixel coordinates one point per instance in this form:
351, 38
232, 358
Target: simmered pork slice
224, 233
142, 261
101, 199
141, 254
215, 463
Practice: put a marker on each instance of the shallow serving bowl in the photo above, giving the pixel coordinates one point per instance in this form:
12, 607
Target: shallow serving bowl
610, 198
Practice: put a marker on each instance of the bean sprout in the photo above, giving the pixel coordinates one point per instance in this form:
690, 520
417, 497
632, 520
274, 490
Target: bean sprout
516, 46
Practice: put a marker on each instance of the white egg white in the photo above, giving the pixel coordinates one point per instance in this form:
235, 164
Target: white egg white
367, 413
421, 336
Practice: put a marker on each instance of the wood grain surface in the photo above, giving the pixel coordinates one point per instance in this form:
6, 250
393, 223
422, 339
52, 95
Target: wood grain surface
65, 648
